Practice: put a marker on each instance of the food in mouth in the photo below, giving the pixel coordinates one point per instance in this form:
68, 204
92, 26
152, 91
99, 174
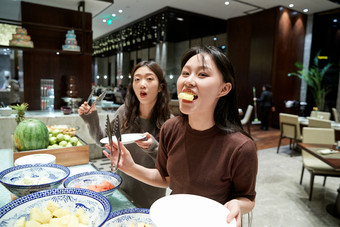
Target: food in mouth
186, 96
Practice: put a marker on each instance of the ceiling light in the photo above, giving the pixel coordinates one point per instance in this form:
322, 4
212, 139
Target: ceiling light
335, 20
226, 3
291, 5
109, 21
215, 38
180, 19
120, 11
305, 10
104, 20
113, 14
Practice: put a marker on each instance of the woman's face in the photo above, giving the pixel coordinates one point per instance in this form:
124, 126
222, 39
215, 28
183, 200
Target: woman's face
205, 83
146, 85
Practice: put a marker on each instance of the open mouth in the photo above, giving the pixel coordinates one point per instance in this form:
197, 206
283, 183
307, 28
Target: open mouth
143, 94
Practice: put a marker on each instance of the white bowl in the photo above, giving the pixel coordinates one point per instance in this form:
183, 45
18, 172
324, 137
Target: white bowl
127, 217
35, 158
83, 180
6, 111
95, 206
42, 177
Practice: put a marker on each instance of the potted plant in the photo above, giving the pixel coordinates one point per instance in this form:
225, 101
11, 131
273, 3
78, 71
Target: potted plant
314, 79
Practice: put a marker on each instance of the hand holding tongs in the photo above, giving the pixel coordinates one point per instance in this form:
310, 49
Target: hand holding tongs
113, 128
98, 99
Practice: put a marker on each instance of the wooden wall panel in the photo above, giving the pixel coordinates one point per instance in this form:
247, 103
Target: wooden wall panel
265, 52
48, 34
54, 16
289, 48
238, 49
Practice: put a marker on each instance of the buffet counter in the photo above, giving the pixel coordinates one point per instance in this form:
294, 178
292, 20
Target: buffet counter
8, 125
118, 200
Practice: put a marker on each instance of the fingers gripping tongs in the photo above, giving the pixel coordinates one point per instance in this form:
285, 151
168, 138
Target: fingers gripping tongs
113, 129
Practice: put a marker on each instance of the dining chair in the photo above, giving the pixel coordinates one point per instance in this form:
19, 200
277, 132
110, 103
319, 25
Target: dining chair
335, 115
319, 123
289, 128
246, 119
321, 114
315, 166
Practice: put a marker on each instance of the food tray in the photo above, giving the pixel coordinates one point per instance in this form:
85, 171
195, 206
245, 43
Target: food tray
66, 156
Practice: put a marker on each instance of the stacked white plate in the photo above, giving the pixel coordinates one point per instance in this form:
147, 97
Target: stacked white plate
35, 158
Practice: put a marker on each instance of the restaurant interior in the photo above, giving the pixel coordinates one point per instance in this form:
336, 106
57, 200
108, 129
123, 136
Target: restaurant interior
266, 42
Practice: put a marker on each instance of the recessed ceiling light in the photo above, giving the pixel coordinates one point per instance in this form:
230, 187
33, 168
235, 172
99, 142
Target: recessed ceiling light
335, 20
226, 3
113, 14
120, 11
104, 20
180, 19
305, 10
291, 5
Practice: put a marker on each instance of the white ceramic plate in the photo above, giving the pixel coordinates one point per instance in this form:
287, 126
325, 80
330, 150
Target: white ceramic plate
183, 210
35, 158
327, 151
126, 138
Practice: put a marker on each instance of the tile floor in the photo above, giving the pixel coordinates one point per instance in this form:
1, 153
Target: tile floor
281, 200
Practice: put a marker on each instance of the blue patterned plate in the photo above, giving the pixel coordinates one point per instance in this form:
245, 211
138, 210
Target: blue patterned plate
25, 179
124, 218
95, 206
94, 178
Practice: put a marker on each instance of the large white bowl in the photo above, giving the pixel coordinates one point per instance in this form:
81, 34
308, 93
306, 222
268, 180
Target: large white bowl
127, 217
94, 178
95, 206
52, 174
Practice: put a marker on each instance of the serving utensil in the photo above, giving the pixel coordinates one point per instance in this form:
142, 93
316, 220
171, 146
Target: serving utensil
116, 131
89, 99
113, 128
98, 99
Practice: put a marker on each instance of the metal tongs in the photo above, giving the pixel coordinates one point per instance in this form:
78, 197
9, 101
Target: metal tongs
113, 128
98, 99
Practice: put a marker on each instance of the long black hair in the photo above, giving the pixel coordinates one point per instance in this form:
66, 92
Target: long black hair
161, 110
226, 114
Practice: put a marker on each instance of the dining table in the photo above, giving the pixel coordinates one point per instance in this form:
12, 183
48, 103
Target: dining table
332, 159
303, 121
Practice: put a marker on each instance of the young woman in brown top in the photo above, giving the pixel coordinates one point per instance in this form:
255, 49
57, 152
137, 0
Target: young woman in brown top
205, 151
146, 108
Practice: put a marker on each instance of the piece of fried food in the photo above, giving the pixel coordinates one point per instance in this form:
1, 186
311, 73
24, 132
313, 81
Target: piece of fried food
186, 96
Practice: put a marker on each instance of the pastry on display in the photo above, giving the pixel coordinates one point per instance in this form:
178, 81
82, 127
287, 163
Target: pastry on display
20, 38
71, 43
